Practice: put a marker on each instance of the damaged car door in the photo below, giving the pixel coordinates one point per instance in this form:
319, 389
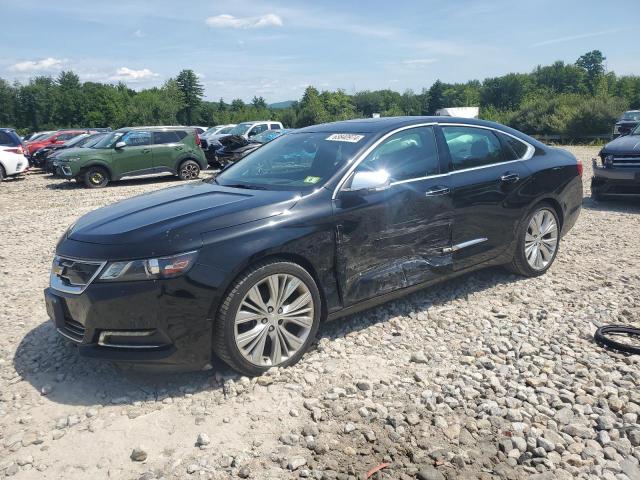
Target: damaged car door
394, 216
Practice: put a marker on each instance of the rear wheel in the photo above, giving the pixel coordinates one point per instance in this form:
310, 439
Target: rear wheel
189, 170
537, 242
3, 174
95, 177
268, 319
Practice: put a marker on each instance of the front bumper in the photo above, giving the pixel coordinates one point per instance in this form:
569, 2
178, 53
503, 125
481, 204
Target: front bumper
615, 181
164, 323
63, 170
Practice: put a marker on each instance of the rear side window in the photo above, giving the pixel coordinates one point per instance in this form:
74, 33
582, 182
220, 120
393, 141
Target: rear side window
137, 138
165, 137
274, 126
405, 155
180, 135
65, 136
514, 149
8, 139
472, 147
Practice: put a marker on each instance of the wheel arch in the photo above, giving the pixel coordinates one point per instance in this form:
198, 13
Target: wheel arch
556, 206
181, 160
100, 164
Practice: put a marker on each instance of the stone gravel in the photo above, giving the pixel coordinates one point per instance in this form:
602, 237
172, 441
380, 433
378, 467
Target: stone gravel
486, 376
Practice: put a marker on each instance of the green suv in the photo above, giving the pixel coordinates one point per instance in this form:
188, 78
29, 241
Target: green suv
132, 152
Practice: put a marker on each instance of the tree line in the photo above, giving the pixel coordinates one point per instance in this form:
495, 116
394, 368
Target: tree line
571, 99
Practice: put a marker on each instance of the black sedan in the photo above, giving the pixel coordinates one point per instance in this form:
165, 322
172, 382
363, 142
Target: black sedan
619, 170
317, 224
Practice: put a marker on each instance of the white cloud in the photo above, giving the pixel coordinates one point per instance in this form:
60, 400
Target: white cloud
574, 37
229, 21
417, 62
139, 34
125, 73
44, 65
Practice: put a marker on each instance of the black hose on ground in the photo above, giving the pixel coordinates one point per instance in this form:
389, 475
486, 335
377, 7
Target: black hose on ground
604, 334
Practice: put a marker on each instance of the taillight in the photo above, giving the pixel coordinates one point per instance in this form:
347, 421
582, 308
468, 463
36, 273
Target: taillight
198, 142
579, 167
17, 150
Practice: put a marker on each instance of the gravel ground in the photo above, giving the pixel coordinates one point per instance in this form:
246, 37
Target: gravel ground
487, 376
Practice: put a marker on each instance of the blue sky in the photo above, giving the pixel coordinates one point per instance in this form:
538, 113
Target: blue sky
241, 48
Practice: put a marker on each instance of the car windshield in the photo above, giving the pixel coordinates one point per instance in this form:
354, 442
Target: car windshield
240, 129
91, 140
635, 131
225, 130
109, 140
296, 161
75, 140
633, 116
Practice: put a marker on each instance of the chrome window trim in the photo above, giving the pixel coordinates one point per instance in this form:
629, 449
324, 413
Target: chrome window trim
56, 283
528, 155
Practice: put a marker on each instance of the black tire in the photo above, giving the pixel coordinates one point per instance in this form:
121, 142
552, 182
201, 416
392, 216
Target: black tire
519, 264
3, 174
189, 170
95, 177
595, 195
602, 338
224, 344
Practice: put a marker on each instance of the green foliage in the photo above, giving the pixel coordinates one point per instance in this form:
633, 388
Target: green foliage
566, 99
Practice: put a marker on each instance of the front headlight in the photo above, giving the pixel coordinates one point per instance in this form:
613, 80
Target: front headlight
148, 269
608, 160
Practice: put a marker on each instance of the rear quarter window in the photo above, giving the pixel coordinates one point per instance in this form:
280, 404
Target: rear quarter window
514, 149
9, 139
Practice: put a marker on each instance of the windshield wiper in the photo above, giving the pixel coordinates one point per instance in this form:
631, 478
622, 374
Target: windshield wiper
242, 185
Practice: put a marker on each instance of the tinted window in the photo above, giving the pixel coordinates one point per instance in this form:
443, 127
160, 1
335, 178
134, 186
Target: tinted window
180, 135
274, 126
165, 137
137, 138
405, 155
472, 147
513, 148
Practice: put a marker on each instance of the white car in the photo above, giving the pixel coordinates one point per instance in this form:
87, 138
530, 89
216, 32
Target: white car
199, 129
12, 163
217, 130
250, 129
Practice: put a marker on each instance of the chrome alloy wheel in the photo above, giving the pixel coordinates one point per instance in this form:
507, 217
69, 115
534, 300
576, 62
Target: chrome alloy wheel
189, 171
541, 239
274, 320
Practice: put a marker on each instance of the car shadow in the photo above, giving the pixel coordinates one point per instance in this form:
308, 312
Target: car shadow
629, 204
48, 362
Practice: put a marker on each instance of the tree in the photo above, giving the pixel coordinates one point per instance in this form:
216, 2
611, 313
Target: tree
593, 63
68, 112
436, 97
192, 92
311, 109
259, 103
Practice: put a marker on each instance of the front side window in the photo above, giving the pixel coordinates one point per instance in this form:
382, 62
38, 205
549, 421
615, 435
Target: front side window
135, 139
472, 147
405, 155
65, 136
296, 161
240, 129
258, 129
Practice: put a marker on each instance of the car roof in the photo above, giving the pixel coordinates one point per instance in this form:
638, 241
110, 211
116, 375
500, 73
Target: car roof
258, 121
380, 126
162, 128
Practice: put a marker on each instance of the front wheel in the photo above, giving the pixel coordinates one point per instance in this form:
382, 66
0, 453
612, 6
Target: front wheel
189, 170
537, 242
268, 319
95, 177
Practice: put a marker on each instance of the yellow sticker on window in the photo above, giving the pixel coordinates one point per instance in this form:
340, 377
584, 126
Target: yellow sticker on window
312, 180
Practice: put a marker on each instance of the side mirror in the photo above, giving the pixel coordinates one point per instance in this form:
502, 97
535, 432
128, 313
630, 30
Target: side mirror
364, 182
120, 145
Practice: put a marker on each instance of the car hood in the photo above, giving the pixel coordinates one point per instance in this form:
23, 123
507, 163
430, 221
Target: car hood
626, 144
174, 219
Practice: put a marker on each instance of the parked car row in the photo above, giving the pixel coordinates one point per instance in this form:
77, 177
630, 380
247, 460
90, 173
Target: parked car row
97, 158
12, 159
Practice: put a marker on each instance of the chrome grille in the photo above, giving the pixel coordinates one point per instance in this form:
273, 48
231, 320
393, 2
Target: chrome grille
71, 275
626, 160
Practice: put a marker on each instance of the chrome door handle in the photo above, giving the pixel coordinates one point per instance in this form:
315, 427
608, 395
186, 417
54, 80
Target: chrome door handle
436, 191
146, 150
510, 177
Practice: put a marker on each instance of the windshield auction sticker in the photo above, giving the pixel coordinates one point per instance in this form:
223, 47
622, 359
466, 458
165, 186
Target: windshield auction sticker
345, 137
312, 180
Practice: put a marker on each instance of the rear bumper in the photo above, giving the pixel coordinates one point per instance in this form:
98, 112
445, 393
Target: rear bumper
615, 181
